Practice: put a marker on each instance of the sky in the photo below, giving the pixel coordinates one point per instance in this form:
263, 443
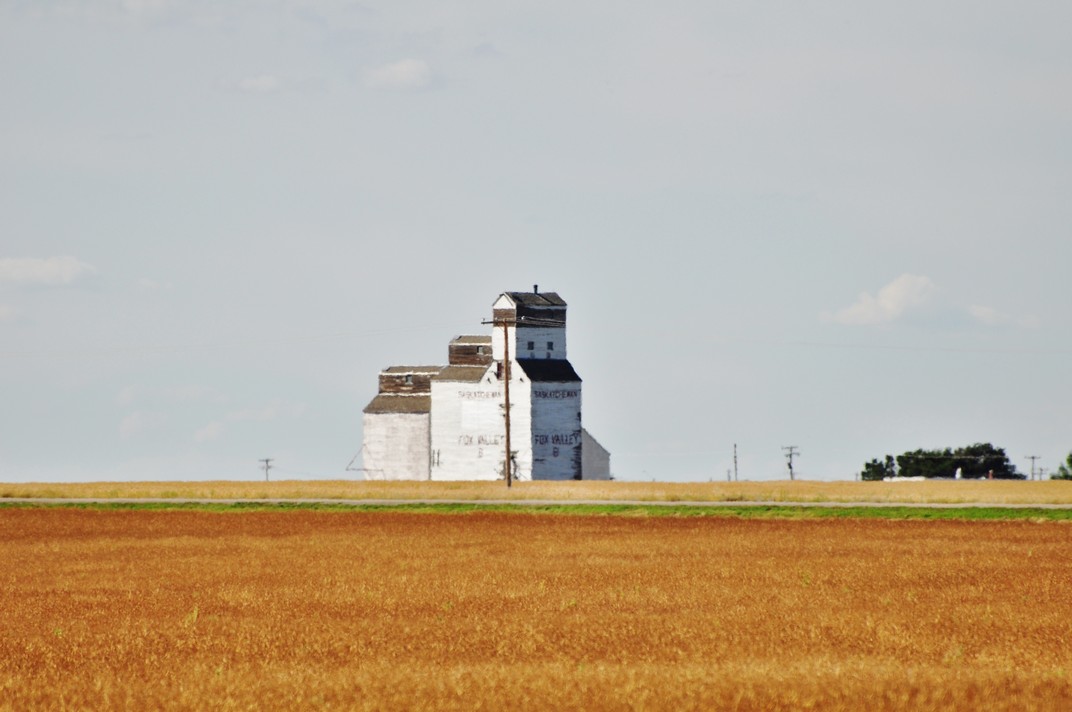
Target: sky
833, 225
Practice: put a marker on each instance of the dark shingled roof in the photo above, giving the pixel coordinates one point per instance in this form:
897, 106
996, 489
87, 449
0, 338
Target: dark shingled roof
532, 299
399, 404
470, 374
548, 370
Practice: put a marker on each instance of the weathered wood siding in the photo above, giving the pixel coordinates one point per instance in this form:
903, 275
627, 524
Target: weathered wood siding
465, 354
556, 431
396, 446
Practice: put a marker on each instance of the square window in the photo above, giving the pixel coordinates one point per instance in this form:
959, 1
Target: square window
532, 345
550, 345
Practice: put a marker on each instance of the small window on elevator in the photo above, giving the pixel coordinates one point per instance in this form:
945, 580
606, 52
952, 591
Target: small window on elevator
550, 345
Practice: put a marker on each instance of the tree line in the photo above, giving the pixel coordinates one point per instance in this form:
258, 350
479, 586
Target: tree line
978, 461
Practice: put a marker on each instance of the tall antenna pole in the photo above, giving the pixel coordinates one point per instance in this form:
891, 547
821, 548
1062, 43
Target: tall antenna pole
267, 466
790, 453
735, 462
1032, 458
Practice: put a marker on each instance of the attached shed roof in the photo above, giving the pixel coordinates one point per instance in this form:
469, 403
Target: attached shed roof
469, 374
431, 370
532, 299
400, 404
548, 370
472, 339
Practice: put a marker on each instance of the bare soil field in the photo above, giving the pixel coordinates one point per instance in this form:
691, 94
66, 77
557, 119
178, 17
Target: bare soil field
930, 492
106, 609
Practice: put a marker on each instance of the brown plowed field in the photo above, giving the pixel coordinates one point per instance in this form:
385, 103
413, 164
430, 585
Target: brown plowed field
186, 609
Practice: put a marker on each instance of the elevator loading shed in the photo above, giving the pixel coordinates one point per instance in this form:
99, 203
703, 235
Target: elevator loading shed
446, 422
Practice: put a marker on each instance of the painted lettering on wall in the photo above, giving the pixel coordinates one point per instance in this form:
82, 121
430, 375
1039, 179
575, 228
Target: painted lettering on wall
480, 439
480, 395
555, 394
568, 439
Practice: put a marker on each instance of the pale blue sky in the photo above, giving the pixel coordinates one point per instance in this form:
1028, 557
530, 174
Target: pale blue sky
839, 227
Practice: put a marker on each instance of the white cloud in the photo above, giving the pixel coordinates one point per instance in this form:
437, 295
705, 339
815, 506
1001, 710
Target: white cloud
138, 422
6, 313
261, 84
909, 291
404, 74
49, 270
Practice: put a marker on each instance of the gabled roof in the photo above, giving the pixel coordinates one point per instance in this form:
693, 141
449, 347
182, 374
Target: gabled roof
548, 370
468, 374
532, 299
400, 404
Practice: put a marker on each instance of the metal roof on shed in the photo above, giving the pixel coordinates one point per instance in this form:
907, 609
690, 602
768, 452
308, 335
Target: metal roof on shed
470, 374
432, 370
400, 404
471, 339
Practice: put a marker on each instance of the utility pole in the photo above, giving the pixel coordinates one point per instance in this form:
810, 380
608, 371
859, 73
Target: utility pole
1032, 458
790, 453
506, 401
505, 324
735, 462
267, 466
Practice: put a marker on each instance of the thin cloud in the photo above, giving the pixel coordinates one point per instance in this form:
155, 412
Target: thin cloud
7, 313
988, 316
273, 411
43, 271
212, 431
907, 292
137, 423
401, 75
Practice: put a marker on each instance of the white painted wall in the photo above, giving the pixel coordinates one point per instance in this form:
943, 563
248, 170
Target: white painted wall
396, 446
556, 430
539, 337
468, 432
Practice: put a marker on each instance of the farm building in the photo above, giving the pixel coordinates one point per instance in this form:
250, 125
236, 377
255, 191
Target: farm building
447, 422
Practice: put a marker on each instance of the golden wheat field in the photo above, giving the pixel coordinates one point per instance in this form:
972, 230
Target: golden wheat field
107, 609
933, 491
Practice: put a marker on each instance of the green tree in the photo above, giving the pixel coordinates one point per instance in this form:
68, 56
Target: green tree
973, 461
1064, 472
876, 470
